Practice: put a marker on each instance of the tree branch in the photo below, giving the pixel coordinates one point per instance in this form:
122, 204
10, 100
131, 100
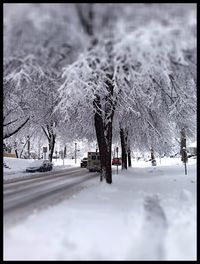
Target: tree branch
86, 22
16, 130
46, 133
10, 122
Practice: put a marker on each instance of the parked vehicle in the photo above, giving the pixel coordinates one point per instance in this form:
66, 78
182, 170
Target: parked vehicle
84, 162
94, 163
117, 161
40, 166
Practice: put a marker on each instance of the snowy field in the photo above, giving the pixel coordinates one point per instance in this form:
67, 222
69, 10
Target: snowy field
148, 213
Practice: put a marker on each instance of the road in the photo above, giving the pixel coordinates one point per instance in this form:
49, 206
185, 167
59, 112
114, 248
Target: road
23, 196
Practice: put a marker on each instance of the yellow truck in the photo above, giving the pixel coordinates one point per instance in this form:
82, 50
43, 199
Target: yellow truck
94, 163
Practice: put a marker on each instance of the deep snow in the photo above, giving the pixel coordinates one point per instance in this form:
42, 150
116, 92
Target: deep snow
148, 213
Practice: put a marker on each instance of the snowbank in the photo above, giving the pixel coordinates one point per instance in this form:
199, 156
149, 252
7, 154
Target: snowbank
17, 167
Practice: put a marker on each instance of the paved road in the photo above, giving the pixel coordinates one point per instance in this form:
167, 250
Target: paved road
23, 196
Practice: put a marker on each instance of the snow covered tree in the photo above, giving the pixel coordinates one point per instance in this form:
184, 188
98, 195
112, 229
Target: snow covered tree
16, 108
41, 54
147, 54
92, 75
129, 71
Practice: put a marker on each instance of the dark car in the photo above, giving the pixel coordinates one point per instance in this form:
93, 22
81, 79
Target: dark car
40, 166
84, 162
116, 161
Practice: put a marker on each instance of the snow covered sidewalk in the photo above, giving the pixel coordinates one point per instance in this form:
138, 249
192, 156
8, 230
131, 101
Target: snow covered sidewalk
148, 213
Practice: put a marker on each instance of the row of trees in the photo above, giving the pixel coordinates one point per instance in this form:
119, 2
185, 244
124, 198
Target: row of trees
129, 75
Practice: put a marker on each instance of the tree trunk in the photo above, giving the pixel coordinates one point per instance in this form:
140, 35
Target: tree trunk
103, 148
51, 139
129, 157
28, 146
183, 146
153, 160
109, 153
103, 122
109, 114
16, 153
104, 154
123, 148
23, 149
65, 152
152, 155
51, 146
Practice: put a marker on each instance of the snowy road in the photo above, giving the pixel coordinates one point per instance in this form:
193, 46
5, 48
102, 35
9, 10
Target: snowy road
24, 196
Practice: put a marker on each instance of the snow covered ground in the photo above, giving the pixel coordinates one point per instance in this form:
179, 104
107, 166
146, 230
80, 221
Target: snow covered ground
17, 167
148, 213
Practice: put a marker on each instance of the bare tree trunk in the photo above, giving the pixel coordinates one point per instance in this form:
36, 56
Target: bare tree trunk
123, 138
129, 157
65, 152
102, 145
183, 144
28, 149
23, 148
152, 155
51, 146
153, 160
51, 140
184, 157
104, 150
16, 153
109, 153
